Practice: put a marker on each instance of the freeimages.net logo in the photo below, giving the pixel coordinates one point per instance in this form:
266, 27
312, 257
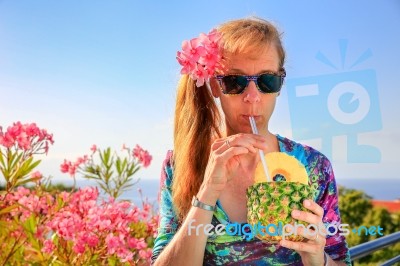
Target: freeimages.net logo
344, 103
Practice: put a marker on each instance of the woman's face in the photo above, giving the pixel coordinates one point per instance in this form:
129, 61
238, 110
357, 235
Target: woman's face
251, 102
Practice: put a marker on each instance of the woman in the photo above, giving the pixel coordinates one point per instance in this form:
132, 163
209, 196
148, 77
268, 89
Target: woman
215, 161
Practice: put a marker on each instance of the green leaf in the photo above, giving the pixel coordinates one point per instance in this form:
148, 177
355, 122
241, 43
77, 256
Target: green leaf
90, 169
23, 181
127, 186
92, 176
107, 154
13, 159
4, 225
8, 209
33, 165
24, 170
104, 187
118, 166
108, 175
102, 157
1, 159
135, 170
124, 164
3, 171
112, 261
30, 224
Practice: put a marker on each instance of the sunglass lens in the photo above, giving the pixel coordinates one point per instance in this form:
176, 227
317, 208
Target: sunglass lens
269, 83
234, 84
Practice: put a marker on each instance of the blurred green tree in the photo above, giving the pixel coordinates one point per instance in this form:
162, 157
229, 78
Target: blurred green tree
356, 209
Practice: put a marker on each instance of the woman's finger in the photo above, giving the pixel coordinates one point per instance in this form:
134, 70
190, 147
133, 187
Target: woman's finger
314, 207
311, 235
245, 140
233, 138
223, 157
306, 217
217, 143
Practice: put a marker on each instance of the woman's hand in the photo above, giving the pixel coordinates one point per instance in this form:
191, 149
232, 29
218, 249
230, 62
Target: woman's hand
311, 250
226, 160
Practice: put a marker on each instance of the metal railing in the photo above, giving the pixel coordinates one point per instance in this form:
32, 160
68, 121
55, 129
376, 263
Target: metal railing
367, 248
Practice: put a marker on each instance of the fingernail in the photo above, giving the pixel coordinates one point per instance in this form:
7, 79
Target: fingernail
295, 213
307, 203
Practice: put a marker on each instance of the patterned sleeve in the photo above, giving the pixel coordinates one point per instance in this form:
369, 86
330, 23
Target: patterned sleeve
336, 246
168, 224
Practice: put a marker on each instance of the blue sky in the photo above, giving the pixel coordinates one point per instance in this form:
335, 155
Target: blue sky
104, 72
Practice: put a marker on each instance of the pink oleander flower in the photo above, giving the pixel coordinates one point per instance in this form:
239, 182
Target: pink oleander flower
93, 148
200, 74
136, 243
36, 176
48, 246
211, 40
26, 137
71, 168
32, 130
23, 141
200, 57
6, 139
113, 243
145, 254
92, 240
193, 49
64, 167
187, 64
81, 160
142, 155
79, 248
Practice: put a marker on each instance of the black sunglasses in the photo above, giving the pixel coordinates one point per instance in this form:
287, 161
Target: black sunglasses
266, 83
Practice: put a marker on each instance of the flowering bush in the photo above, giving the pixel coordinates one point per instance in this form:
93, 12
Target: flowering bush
70, 228
18, 145
113, 173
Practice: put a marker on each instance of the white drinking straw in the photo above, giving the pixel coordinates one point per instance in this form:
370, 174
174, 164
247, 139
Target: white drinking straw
260, 152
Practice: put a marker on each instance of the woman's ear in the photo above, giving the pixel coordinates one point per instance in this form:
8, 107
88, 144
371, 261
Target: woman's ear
215, 89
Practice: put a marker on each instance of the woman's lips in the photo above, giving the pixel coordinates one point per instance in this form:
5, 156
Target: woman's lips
246, 118
256, 117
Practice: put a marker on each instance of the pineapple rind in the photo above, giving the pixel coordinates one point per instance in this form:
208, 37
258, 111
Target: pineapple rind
274, 208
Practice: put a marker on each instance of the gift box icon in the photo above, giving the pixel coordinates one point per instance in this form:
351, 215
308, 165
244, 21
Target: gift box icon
344, 103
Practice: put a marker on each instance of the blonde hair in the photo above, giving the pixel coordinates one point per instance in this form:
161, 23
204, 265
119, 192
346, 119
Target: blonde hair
197, 117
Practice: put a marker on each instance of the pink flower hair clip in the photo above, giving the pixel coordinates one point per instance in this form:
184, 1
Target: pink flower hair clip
200, 57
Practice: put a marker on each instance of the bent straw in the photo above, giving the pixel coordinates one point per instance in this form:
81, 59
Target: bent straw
260, 152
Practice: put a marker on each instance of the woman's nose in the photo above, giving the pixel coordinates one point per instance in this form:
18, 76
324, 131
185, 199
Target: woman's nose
251, 93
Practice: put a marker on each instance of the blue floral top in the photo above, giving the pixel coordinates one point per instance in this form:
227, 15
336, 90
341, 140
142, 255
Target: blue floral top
238, 250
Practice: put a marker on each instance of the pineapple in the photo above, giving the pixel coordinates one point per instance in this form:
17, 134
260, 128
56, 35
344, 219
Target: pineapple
282, 167
272, 202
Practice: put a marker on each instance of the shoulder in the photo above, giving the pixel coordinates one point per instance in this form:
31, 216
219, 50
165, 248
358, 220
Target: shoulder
304, 153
